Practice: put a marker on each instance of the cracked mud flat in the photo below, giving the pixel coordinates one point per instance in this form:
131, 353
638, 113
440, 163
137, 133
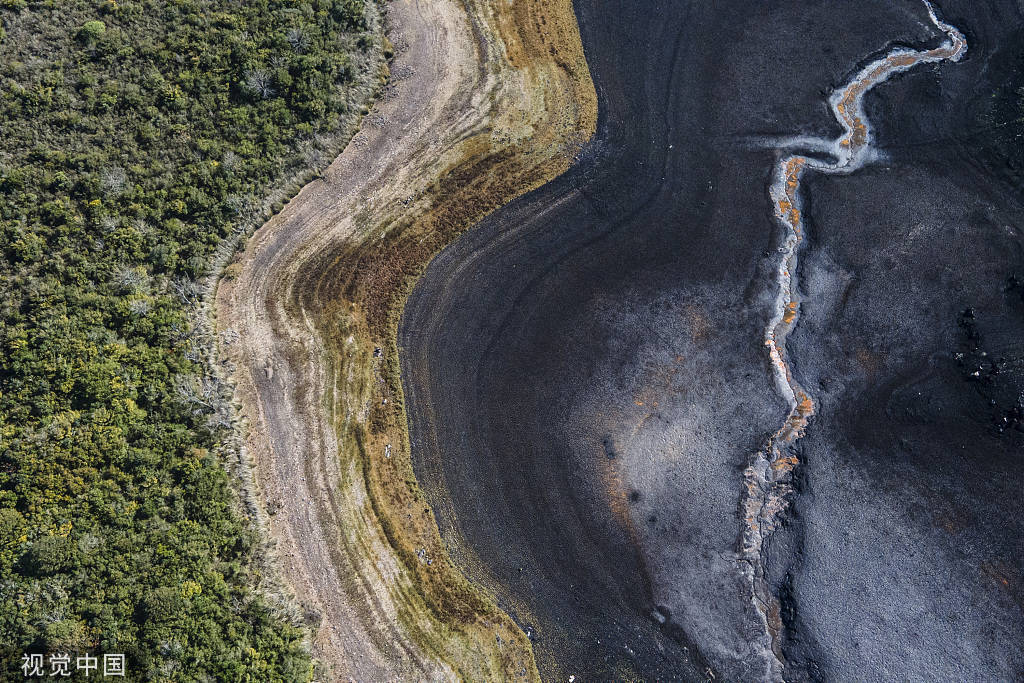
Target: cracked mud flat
586, 372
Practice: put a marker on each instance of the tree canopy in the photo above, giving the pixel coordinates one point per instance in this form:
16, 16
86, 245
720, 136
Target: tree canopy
137, 134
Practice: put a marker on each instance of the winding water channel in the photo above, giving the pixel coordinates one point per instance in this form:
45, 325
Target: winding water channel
586, 377
767, 479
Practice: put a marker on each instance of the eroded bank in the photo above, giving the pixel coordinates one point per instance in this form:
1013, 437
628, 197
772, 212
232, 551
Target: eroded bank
485, 102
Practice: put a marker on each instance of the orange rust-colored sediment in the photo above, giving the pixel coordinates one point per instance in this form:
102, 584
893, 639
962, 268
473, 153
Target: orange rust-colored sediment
767, 480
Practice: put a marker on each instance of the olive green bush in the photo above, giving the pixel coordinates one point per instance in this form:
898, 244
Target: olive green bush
135, 135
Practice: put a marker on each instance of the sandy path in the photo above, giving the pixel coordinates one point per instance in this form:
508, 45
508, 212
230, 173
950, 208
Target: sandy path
447, 77
290, 442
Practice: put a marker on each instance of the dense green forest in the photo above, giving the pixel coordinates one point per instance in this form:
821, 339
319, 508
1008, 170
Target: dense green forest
135, 136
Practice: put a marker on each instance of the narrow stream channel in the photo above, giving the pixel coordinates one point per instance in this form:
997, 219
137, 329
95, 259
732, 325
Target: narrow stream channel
768, 476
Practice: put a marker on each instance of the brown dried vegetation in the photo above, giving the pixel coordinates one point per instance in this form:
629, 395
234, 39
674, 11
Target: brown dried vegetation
318, 300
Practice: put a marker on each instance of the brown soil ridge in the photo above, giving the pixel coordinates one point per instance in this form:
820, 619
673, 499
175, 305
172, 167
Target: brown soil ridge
486, 101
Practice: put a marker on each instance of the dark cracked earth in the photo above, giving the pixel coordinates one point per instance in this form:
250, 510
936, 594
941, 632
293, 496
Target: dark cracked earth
587, 378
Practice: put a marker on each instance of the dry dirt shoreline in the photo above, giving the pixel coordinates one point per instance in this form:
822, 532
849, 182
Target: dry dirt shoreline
486, 102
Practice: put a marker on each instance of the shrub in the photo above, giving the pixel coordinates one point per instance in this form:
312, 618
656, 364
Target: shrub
130, 147
48, 555
92, 31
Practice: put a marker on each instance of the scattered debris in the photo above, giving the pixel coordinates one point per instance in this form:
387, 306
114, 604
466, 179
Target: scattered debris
996, 377
401, 73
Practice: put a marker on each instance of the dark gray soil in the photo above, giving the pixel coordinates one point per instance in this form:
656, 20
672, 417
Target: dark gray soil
586, 377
